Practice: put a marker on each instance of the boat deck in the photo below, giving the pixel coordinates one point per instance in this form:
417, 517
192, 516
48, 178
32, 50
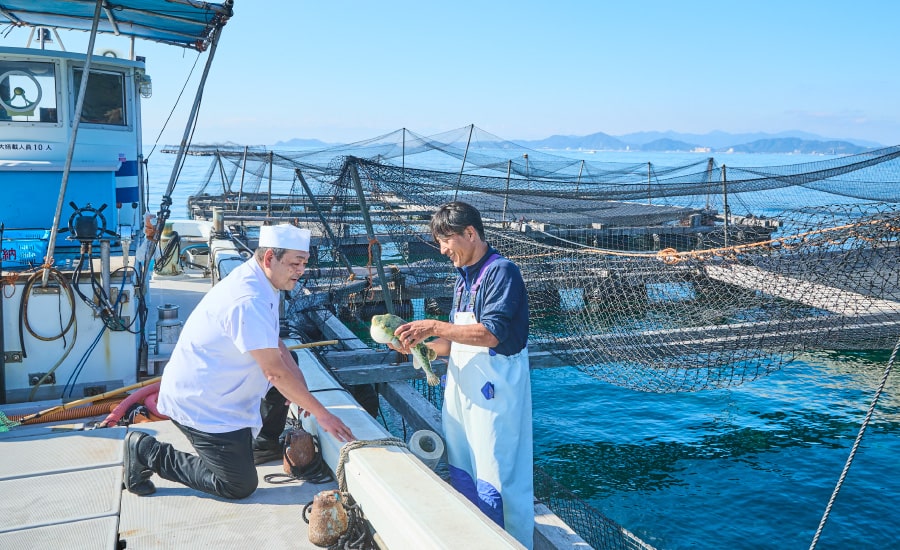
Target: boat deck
68, 486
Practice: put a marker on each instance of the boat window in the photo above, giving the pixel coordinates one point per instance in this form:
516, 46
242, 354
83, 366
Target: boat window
104, 100
28, 91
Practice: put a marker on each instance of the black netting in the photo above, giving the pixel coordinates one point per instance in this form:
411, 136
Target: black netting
657, 278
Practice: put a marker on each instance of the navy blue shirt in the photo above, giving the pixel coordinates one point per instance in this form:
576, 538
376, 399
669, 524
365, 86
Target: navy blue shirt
501, 302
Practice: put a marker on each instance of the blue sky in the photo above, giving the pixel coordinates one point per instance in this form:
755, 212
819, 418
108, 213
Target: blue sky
346, 70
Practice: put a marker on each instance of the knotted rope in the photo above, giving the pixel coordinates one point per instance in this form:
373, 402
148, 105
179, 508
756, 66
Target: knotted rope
345, 451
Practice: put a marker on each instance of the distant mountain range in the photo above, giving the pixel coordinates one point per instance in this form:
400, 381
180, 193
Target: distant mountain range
713, 142
793, 141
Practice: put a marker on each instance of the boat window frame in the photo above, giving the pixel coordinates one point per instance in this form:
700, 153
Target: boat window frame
125, 75
57, 94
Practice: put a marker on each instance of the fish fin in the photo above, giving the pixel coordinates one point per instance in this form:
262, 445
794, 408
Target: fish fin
433, 379
417, 360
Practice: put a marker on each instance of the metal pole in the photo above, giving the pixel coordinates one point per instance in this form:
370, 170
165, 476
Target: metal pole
527, 177
364, 210
725, 202
580, 170
649, 193
225, 189
506, 196
179, 157
2, 332
105, 266
334, 242
241, 189
463, 167
79, 106
269, 206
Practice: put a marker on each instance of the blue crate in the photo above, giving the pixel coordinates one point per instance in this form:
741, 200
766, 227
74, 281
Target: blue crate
24, 248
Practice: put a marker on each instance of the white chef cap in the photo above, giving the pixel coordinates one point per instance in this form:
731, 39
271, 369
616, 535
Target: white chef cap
284, 236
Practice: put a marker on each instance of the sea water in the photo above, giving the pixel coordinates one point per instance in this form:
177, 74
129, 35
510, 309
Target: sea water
748, 467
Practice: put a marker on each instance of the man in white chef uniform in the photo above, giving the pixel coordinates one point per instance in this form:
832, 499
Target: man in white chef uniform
226, 359
487, 402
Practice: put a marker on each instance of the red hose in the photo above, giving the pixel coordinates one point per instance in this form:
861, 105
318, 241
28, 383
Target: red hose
123, 407
150, 403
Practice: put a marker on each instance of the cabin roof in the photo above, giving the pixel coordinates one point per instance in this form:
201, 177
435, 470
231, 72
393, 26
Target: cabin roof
185, 23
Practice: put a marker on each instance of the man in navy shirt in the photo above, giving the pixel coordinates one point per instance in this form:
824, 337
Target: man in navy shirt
487, 401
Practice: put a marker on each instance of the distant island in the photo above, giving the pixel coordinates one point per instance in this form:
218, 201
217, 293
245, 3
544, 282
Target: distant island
789, 142
714, 142
302, 143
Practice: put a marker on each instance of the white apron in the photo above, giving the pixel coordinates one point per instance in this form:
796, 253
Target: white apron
487, 425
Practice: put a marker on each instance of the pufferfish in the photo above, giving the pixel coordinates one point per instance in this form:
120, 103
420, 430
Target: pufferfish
382, 331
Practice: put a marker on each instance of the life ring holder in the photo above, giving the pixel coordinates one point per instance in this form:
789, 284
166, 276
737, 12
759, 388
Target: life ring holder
18, 91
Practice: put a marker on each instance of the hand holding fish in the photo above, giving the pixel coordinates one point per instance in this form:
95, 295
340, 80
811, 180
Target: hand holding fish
384, 330
410, 334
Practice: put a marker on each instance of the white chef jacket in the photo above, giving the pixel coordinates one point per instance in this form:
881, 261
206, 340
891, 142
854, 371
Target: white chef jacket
212, 383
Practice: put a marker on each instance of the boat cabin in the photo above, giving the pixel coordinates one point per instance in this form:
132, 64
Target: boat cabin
70, 321
38, 94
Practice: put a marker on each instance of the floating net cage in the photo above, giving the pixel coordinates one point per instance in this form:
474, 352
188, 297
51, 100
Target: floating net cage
654, 278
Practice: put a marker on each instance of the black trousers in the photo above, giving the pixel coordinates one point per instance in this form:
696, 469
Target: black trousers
223, 465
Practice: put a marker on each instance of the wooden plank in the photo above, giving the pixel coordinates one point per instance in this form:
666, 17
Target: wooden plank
835, 300
333, 329
872, 332
417, 411
369, 373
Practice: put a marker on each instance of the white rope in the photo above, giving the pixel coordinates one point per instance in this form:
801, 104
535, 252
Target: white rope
359, 443
859, 436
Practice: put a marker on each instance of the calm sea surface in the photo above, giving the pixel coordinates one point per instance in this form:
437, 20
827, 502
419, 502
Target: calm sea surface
748, 467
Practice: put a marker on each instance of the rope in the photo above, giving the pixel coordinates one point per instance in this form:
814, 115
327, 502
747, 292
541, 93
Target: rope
9, 281
359, 443
372, 242
672, 256
315, 472
6, 423
859, 436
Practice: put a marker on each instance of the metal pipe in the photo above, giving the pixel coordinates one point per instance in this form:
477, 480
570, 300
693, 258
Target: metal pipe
725, 203
364, 210
105, 266
179, 156
237, 208
334, 242
79, 106
269, 199
580, 170
506, 196
225, 188
2, 332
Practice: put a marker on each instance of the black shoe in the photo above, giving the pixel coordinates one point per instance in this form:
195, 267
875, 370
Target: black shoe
265, 450
137, 474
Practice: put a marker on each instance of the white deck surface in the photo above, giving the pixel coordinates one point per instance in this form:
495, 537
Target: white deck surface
178, 517
63, 490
